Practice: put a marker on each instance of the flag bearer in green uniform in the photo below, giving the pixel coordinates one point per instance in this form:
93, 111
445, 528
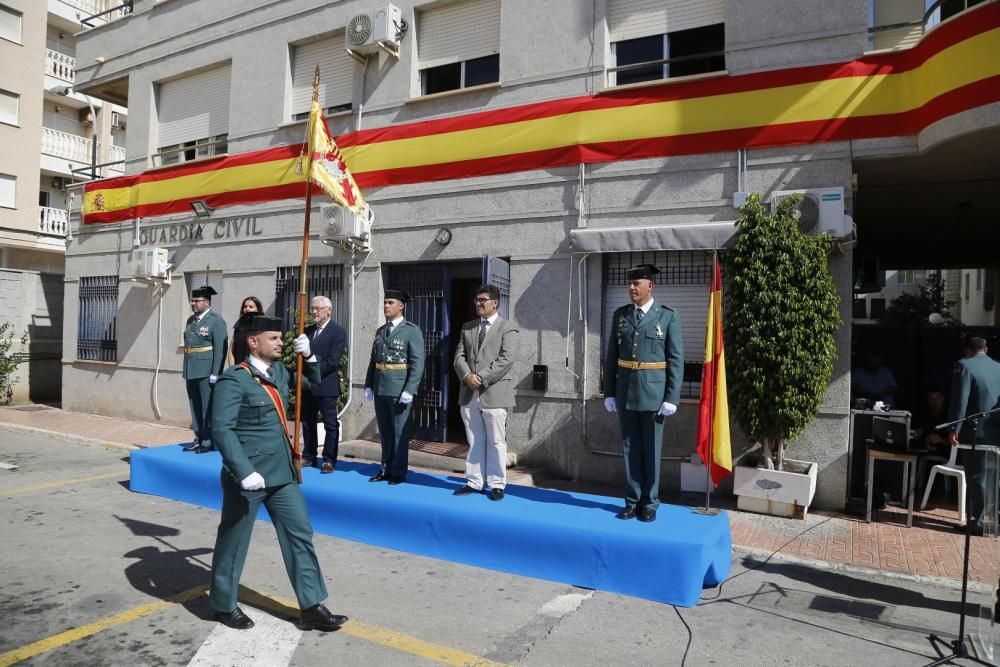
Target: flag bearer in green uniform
975, 388
643, 371
394, 373
259, 466
205, 339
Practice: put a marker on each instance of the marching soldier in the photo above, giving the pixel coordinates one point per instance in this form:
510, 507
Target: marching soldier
642, 375
394, 373
205, 339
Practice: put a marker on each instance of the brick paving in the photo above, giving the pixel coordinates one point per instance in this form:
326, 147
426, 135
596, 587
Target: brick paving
930, 548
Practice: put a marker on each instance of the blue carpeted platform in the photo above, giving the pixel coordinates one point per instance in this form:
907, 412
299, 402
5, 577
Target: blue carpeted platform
571, 538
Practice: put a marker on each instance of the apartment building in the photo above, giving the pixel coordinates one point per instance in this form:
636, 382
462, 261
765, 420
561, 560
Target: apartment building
470, 123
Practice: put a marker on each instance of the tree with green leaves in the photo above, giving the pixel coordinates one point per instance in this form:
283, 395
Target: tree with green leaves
781, 312
916, 308
10, 356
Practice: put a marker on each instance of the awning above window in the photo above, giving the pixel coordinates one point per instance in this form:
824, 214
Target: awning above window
699, 236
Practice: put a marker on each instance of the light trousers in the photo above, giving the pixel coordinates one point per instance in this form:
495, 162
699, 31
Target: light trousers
486, 429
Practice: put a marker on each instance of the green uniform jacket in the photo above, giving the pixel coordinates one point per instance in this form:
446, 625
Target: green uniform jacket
657, 338
246, 427
212, 331
405, 345
976, 388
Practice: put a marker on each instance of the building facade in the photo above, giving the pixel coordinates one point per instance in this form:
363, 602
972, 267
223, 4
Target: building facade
204, 78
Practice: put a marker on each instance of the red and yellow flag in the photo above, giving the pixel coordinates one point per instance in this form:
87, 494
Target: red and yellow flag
325, 163
714, 446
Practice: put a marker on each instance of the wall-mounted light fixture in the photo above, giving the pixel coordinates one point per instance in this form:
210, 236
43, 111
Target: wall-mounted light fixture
201, 208
443, 236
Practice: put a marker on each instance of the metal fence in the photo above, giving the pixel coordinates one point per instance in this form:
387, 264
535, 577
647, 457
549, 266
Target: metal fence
97, 328
322, 280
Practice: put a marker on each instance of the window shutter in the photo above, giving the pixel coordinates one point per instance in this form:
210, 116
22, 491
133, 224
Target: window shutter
897, 11
194, 107
457, 32
10, 25
630, 19
8, 107
336, 74
8, 190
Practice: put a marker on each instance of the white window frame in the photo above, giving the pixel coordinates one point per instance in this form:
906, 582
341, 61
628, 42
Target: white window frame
461, 77
905, 277
8, 184
205, 147
16, 120
17, 16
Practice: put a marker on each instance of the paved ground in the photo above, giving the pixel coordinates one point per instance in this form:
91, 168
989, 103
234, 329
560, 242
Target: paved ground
930, 548
93, 574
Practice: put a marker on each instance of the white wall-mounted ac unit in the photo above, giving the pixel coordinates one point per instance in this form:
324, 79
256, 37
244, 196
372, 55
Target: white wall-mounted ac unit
821, 211
342, 226
365, 32
155, 263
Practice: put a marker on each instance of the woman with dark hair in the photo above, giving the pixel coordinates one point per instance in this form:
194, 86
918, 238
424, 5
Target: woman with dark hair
251, 306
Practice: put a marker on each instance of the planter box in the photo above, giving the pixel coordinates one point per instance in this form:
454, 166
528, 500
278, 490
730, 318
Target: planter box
776, 492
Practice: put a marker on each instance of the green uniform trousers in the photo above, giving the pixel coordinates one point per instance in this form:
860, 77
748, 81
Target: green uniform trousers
199, 393
394, 428
642, 441
287, 509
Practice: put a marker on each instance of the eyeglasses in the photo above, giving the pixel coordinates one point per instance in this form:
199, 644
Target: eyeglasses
198, 300
482, 300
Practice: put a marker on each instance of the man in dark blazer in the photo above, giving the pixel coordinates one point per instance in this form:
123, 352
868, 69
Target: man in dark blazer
643, 371
259, 466
205, 340
487, 350
394, 373
327, 340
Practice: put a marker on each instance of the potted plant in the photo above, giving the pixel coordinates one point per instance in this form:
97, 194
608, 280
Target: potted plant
782, 311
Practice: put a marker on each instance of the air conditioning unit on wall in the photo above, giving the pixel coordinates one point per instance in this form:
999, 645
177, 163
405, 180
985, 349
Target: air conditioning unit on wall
340, 226
383, 26
821, 211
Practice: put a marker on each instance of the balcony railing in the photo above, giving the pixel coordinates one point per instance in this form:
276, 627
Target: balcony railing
102, 11
60, 65
52, 221
907, 33
63, 144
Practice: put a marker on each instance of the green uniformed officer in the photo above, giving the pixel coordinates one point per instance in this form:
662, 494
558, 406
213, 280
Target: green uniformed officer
205, 339
394, 373
251, 432
643, 371
975, 388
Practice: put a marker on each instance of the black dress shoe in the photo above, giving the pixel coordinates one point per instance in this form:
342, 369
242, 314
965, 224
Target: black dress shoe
647, 514
326, 468
319, 617
464, 491
308, 461
191, 446
379, 476
235, 619
627, 513
974, 530
201, 449
396, 480
496, 494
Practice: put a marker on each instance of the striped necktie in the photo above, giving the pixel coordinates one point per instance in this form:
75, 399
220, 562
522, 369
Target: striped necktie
638, 315
482, 331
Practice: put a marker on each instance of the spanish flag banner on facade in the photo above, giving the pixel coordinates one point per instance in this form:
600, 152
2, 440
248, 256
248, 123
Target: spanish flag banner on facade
325, 163
714, 446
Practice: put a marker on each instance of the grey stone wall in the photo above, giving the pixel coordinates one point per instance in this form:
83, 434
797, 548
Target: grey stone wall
33, 302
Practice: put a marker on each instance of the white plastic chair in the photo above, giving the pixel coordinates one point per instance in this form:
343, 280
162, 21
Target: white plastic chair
954, 470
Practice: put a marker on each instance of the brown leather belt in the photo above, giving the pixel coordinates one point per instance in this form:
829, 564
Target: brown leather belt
203, 348
642, 365
391, 367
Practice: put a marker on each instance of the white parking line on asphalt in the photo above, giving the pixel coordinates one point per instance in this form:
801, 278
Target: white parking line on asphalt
271, 642
7, 466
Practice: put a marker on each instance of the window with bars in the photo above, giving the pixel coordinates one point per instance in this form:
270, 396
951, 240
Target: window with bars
97, 328
323, 280
682, 284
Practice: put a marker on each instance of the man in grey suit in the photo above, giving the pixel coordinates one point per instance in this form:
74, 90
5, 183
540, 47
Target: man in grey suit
485, 356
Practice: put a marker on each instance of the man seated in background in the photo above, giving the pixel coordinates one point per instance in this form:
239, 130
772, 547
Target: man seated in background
872, 381
933, 411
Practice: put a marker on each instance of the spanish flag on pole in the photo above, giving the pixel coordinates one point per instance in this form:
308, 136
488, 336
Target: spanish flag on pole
325, 164
714, 446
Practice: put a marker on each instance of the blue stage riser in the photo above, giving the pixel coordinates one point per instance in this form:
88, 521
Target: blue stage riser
570, 538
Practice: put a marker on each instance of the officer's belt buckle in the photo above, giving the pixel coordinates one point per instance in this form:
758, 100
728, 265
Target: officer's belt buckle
390, 367
203, 348
642, 365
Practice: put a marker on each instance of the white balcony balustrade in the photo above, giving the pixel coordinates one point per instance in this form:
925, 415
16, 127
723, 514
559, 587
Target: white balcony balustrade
60, 66
63, 144
52, 221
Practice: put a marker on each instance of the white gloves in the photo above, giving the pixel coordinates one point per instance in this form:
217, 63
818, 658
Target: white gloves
212, 379
405, 398
667, 409
369, 394
301, 346
252, 482
610, 404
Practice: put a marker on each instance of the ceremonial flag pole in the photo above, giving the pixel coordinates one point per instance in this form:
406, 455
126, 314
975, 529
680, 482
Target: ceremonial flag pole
326, 168
714, 445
